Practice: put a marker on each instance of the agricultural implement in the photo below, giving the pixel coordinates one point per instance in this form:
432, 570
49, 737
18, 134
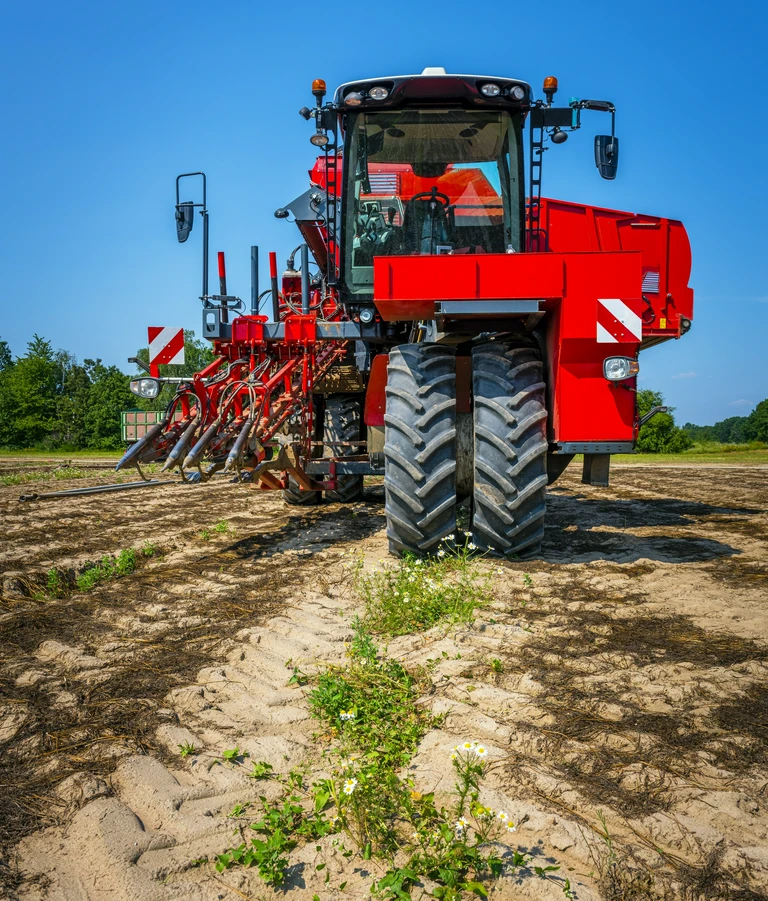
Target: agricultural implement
454, 333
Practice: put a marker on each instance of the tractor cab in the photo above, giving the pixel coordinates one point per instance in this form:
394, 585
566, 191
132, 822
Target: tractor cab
432, 165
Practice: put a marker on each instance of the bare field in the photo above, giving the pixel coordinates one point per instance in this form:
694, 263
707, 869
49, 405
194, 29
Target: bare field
631, 690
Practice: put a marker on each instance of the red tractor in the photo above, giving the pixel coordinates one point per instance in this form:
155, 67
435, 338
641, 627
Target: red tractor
452, 334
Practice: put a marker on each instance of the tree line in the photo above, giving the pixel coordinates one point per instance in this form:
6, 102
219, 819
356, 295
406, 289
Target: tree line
734, 429
50, 401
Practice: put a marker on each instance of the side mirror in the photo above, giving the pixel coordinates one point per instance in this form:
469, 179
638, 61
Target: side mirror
185, 219
607, 155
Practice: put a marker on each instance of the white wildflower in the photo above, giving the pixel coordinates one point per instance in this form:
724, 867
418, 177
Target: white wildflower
511, 827
349, 786
481, 751
347, 715
502, 816
441, 553
472, 546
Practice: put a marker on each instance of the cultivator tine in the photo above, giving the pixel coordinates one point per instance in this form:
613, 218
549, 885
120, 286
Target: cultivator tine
181, 445
239, 445
135, 451
194, 457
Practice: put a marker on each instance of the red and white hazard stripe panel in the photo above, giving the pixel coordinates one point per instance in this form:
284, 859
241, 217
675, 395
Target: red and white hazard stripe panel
617, 322
166, 345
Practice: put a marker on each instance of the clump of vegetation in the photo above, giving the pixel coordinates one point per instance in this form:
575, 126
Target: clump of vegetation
370, 711
298, 814
415, 594
20, 478
107, 568
58, 584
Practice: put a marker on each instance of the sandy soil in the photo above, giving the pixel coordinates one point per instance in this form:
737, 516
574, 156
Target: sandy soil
633, 686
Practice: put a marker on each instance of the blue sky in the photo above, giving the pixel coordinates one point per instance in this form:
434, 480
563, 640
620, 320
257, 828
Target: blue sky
102, 104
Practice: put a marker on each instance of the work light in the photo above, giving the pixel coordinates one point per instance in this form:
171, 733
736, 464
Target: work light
378, 93
145, 387
615, 369
490, 90
517, 93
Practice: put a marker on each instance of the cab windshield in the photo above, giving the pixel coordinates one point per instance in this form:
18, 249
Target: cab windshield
429, 182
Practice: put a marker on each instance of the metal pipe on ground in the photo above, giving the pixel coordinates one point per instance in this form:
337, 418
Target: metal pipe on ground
97, 489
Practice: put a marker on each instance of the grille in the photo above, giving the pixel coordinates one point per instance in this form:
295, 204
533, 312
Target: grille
384, 182
651, 282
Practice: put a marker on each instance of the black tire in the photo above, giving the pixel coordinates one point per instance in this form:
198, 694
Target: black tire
420, 447
343, 422
510, 426
297, 496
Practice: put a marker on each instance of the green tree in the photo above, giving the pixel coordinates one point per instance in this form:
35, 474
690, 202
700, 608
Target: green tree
6, 357
72, 426
108, 396
30, 389
659, 435
756, 426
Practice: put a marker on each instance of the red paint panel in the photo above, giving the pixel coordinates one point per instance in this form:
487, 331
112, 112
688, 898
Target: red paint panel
406, 288
375, 396
248, 330
584, 405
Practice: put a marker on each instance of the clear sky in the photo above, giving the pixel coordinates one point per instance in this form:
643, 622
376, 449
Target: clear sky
102, 104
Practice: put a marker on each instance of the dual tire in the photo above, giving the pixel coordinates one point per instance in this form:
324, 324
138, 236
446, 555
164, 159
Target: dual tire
509, 448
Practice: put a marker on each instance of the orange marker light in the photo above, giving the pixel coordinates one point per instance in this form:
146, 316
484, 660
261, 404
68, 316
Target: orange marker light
318, 86
550, 84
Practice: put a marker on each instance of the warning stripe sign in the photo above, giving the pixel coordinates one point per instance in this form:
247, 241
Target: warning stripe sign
617, 322
166, 345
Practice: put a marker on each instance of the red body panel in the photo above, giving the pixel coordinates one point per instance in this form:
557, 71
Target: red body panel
406, 287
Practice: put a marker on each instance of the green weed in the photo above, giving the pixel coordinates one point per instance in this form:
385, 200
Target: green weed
107, 568
54, 585
186, 749
415, 594
299, 813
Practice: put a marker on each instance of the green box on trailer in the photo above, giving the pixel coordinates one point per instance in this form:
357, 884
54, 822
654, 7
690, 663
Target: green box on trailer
135, 423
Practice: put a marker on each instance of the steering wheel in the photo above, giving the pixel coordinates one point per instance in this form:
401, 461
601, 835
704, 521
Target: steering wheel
434, 194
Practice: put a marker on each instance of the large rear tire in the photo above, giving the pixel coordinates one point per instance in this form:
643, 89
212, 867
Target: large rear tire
510, 422
420, 447
342, 423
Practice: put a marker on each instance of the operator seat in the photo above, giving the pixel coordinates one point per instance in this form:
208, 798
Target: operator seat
427, 223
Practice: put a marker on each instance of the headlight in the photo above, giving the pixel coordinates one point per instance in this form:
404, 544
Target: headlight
353, 99
149, 388
517, 92
366, 315
490, 90
378, 93
319, 139
617, 368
